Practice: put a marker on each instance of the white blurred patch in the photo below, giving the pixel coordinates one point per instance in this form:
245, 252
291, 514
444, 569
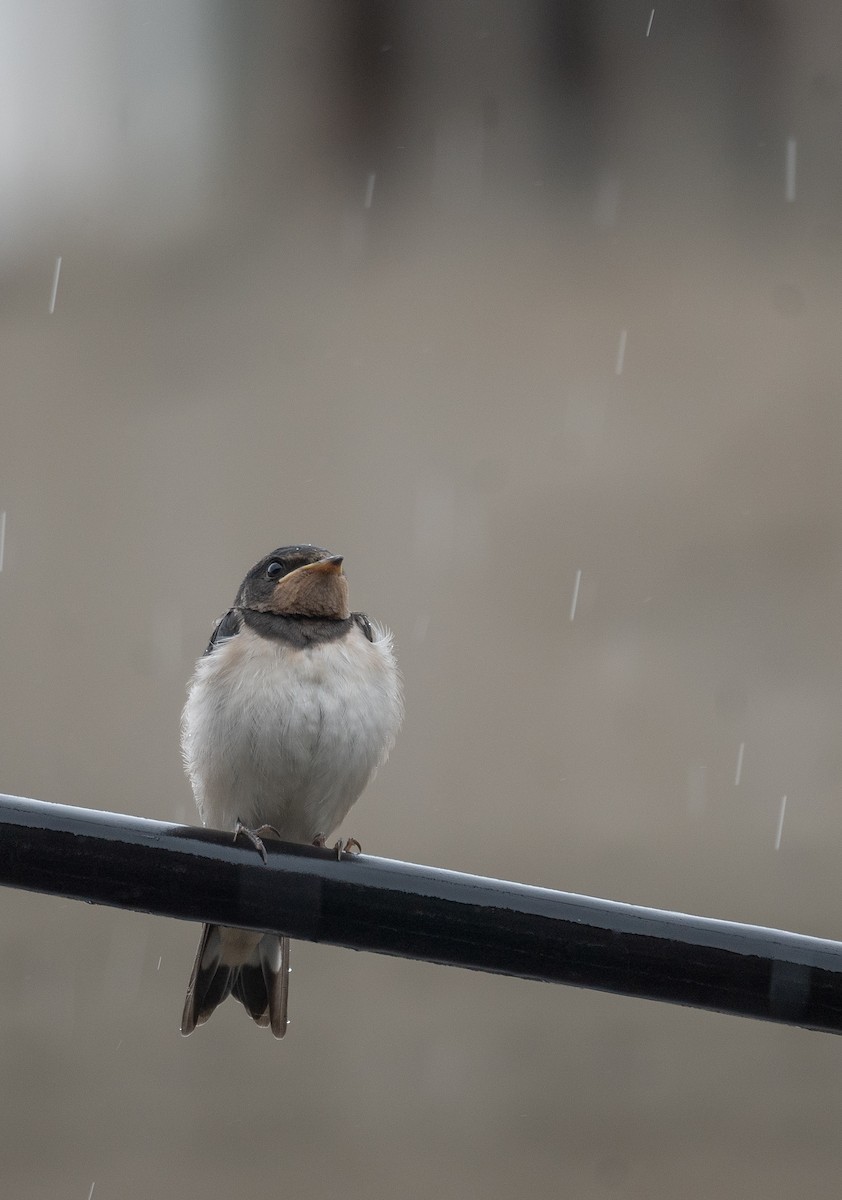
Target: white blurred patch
107, 111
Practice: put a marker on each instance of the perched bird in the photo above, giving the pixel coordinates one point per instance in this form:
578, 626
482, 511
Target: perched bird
292, 708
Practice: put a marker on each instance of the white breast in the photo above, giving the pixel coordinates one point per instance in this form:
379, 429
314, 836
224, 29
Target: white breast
286, 737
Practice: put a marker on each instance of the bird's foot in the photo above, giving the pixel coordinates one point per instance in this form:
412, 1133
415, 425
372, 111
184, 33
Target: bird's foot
343, 846
349, 846
253, 836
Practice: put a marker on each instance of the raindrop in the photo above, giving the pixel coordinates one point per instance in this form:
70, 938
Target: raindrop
369, 189
54, 292
780, 824
791, 152
575, 599
739, 771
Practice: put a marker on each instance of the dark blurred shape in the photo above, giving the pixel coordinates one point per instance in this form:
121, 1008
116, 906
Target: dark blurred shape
572, 89
371, 60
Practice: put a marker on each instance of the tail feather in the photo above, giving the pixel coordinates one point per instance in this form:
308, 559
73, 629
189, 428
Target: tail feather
262, 984
252, 966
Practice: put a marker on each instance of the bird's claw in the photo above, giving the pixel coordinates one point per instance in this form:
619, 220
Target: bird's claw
253, 836
348, 845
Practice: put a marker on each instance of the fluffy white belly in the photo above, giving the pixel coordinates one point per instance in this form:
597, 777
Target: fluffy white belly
282, 736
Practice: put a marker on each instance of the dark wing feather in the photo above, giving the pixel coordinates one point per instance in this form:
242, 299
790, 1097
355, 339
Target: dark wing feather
365, 625
227, 626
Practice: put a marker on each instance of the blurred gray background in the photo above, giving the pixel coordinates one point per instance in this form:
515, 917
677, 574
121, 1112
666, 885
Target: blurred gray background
481, 295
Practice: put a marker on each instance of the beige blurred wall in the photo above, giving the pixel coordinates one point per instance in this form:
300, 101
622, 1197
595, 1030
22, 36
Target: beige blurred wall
254, 343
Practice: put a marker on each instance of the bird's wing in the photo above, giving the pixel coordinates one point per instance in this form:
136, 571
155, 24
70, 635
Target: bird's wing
365, 625
227, 626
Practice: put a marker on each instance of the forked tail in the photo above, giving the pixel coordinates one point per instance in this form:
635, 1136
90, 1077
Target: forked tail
252, 966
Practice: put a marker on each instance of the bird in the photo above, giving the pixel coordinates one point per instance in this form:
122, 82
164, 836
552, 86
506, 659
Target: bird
290, 711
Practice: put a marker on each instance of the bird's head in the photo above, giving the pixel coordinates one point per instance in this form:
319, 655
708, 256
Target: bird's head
297, 581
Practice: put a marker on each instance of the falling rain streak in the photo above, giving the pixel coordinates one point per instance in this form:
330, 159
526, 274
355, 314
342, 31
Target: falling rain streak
739, 771
2, 537
91, 1192
575, 599
621, 353
791, 152
780, 824
54, 292
651, 19
369, 189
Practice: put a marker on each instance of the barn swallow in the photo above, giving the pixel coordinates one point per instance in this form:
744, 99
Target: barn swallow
292, 708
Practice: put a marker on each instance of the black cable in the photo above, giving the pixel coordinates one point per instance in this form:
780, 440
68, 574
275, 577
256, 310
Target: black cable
420, 912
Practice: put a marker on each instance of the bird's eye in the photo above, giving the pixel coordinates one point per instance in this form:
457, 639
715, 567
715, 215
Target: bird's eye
274, 570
